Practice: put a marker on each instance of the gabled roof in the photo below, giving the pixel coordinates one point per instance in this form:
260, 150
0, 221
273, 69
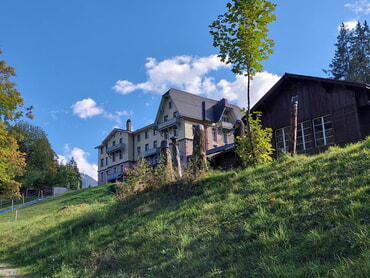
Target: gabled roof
191, 106
106, 139
288, 77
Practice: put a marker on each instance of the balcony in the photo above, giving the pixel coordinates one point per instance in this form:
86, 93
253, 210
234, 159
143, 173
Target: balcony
225, 125
115, 148
168, 123
151, 152
115, 176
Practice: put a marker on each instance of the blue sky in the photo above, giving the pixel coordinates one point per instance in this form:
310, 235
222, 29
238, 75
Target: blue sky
89, 65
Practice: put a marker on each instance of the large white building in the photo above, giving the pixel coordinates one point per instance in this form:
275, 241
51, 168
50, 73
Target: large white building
178, 112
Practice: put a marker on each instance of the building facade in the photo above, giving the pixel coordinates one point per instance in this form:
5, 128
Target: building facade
330, 112
178, 112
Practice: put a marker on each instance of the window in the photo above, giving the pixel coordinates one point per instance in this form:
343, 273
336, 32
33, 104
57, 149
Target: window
175, 114
138, 138
304, 136
225, 138
214, 134
113, 157
101, 150
175, 131
169, 104
166, 135
106, 161
120, 140
155, 144
115, 170
101, 176
165, 118
225, 119
102, 162
120, 155
154, 132
146, 147
281, 139
113, 143
121, 168
323, 131
138, 150
146, 135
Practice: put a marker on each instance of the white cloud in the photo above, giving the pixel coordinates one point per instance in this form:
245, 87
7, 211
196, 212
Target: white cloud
197, 75
86, 108
80, 156
361, 6
183, 72
349, 25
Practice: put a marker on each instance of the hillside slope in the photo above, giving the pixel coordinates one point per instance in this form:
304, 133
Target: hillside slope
297, 217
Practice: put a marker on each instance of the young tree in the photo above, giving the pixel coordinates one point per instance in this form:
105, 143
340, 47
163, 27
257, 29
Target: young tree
241, 36
261, 139
12, 161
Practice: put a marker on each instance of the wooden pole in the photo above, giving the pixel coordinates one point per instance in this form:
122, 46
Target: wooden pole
293, 125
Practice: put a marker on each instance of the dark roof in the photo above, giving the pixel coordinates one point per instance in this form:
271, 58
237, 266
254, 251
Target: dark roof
190, 106
287, 77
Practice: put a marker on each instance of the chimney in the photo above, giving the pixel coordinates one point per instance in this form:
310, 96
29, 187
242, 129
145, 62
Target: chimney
203, 110
128, 125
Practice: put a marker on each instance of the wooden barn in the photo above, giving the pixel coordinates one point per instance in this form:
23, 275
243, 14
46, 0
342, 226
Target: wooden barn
330, 112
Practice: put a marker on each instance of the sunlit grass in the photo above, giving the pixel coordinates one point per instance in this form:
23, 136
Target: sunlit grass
296, 217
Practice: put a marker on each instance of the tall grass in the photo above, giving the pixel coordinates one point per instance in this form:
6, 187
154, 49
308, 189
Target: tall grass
297, 217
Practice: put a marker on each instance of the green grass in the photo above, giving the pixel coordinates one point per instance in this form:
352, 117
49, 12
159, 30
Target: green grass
297, 217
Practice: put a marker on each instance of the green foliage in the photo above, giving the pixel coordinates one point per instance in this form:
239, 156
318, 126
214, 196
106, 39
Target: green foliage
40, 157
351, 60
301, 216
67, 175
11, 159
260, 151
241, 35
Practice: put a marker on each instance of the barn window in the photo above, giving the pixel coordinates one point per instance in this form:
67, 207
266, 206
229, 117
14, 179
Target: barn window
304, 136
281, 138
323, 130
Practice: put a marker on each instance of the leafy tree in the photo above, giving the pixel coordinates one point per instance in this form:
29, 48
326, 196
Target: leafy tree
241, 36
40, 157
12, 161
261, 142
68, 175
351, 60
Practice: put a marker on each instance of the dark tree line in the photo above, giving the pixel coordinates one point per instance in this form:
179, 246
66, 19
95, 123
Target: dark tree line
351, 61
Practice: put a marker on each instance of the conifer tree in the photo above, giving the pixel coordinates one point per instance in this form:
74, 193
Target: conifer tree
351, 60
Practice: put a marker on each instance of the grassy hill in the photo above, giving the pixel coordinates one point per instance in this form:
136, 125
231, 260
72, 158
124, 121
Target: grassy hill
297, 217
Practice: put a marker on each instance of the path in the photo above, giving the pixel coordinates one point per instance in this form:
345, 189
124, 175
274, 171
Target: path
11, 272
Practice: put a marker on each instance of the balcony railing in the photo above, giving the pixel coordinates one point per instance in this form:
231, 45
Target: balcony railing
168, 123
117, 147
151, 152
225, 125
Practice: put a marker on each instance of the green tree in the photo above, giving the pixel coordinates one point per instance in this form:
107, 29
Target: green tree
261, 142
12, 161
68, 175
351, 59
40, 157
241, 36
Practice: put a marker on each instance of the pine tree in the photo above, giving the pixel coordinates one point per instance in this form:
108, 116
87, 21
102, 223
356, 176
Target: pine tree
351, 61
339, 66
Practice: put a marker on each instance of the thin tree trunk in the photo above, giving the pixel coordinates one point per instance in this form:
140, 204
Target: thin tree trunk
248, 115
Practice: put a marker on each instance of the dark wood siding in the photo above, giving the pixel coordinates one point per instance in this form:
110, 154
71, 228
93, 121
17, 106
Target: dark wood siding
348, 106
